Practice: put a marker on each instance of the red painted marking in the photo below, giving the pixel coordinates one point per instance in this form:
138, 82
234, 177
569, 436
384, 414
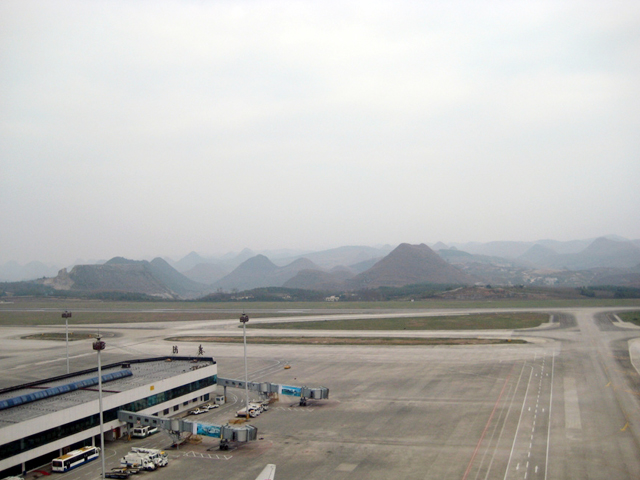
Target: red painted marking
486, 427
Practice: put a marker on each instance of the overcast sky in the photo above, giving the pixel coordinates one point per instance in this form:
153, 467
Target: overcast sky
144, 129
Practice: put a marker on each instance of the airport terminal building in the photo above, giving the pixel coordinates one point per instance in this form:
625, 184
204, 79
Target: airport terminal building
42, 420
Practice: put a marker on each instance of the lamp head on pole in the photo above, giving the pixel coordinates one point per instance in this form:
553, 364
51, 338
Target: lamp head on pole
99, 344
244, 318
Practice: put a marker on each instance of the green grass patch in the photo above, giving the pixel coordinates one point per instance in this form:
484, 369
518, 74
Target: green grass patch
390, 341
508, 321
631, 317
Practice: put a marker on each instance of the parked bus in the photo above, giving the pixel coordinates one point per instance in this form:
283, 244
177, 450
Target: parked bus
75, 459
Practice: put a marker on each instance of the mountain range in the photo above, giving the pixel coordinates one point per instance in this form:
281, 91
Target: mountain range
605, 260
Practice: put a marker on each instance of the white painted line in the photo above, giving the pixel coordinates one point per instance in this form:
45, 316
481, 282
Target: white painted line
546, 464
515, 437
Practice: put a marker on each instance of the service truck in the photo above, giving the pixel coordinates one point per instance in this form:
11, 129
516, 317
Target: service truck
138, 460
159, 457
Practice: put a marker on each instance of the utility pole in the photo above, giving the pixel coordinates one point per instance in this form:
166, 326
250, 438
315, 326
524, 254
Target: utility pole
67, 315
99, 345
244, 318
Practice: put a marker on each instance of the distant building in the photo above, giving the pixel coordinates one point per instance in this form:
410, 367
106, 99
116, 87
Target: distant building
42, 420
332, 298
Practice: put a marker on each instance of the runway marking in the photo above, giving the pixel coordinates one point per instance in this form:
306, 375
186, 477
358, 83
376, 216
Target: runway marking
625, 427
211, 456
486, 427
524, 401
293, 409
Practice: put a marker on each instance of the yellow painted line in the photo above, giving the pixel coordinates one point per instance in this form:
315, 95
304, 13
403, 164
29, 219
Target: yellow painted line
625, 427
608, 384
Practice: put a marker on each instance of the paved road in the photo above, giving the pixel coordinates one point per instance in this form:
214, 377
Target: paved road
565, 406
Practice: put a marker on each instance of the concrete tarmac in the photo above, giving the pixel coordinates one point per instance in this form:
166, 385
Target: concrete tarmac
564, 406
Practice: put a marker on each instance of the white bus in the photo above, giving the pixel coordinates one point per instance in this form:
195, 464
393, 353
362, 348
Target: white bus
75, 459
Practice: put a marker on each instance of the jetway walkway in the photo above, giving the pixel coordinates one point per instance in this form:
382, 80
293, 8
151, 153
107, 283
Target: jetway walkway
226, 433
266, 388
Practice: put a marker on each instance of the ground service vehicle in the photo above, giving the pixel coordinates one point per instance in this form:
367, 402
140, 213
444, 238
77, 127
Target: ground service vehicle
196, 411
137, 460
143, 432
159, 457
253, 413
74, 459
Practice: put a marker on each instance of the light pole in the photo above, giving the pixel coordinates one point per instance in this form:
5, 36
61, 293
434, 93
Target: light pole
244, 318
99, 345
67, 315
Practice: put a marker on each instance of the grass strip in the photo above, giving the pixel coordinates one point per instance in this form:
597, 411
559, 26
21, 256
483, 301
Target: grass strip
90, 318
59, 336
631, 317
507, 321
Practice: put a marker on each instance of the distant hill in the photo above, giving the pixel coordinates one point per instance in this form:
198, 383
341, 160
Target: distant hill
601, 253
345, 256
409, 264
364, 266
616, 277
174, 280
207, 273
259, 271
188, 262
119, 274
506, 249
538, 255
14, 272
320, 280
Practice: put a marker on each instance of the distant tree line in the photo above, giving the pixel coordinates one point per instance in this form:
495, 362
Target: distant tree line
609, 291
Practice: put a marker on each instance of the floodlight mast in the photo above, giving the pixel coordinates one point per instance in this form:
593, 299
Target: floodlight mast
99, 345
67, 315
244, 318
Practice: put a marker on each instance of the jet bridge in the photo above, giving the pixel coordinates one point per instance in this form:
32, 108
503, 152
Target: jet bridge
266, 388
226, 433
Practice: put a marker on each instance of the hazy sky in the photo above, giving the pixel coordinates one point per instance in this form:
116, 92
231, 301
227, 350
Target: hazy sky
144, 128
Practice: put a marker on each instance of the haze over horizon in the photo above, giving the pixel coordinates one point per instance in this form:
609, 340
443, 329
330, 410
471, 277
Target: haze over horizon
142, 129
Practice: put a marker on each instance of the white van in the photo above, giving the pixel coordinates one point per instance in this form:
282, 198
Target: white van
140, 432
